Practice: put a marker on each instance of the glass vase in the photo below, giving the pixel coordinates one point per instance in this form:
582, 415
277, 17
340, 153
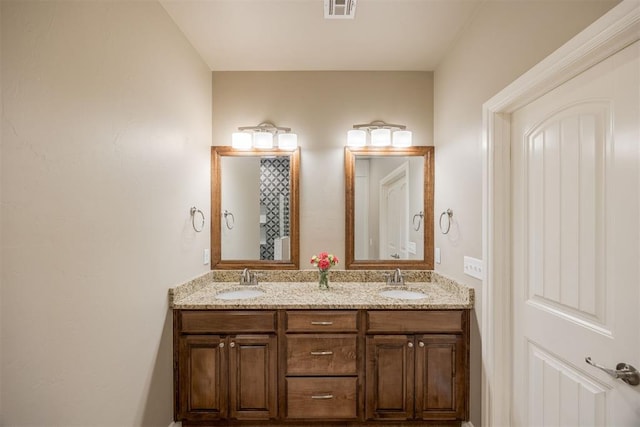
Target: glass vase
323, 279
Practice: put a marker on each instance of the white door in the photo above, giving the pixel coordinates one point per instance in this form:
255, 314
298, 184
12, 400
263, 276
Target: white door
394, 208
576, 248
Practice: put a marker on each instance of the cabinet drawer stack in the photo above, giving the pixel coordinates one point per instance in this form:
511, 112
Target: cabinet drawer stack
321, 367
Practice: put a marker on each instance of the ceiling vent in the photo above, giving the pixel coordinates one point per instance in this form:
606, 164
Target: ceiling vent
339, 9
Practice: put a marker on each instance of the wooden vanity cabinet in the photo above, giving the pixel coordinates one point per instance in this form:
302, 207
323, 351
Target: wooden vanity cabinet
410, 375
335, 367
227, 365
322, 378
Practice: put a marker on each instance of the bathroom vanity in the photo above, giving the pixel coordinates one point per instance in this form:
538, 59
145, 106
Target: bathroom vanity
295, 355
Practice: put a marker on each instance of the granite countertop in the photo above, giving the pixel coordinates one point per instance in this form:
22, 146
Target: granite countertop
301, 291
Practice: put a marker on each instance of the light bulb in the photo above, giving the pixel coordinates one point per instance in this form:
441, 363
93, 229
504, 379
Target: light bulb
402, 138
356, 138
241, 140
380, 137
263, 140
287, 141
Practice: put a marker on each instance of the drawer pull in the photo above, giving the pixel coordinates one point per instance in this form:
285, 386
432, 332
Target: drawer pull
322, 323
321, 353
322, 396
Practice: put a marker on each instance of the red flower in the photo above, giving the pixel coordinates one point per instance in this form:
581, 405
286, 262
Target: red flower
324, 264
323, 255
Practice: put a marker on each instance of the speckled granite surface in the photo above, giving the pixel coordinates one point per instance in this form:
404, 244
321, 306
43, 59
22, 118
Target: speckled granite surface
299, 290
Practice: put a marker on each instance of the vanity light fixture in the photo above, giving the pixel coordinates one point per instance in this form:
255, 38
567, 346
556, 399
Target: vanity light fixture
261, 137
381, 135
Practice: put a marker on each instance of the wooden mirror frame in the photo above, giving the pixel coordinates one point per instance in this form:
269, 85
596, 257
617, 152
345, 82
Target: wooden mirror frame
217, 152
351, 263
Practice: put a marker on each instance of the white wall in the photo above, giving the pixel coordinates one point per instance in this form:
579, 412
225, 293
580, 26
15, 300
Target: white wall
321, 107
240, 194
105, 147
504, 40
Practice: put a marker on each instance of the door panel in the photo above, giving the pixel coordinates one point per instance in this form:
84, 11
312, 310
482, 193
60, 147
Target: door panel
389, 377
440, 377
576, 248
204, 386
253, 371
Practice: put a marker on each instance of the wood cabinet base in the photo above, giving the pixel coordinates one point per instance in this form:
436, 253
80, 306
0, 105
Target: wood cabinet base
314, 368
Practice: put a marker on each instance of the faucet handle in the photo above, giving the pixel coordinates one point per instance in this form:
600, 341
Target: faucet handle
388, 277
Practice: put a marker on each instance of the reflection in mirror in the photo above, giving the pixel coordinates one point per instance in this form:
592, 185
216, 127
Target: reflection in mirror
389, 207
254, 209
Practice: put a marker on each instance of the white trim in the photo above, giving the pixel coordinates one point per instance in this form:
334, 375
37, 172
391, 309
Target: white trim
612, 32
401, 173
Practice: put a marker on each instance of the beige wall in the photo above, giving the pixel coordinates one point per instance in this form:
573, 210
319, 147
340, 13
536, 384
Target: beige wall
320, 107
105, 147
504, 40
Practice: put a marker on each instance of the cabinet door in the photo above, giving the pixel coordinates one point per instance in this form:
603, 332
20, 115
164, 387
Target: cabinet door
253, 382
203, 378
389, 377
440, 377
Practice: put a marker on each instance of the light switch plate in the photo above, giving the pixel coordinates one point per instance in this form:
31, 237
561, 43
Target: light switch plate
206, 256
412, 248
473, 267
437, 255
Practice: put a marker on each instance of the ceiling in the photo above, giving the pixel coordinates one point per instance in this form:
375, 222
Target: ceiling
269, 35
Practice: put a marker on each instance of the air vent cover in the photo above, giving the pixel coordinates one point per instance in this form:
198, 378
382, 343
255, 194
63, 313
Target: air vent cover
339, 9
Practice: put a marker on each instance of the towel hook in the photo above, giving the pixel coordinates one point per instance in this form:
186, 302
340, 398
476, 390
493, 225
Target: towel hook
228, 214
195, 211
449, 215
420, 216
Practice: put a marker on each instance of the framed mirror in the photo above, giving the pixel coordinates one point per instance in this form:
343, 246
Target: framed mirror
389, 208
254, 209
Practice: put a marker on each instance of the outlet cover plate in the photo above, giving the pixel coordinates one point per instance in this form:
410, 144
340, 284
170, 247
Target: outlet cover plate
474, 267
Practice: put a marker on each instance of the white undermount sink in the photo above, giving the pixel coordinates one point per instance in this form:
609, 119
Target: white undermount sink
402, 294
240, 294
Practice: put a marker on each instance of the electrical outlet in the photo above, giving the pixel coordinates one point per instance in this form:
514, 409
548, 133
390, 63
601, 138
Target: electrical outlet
473, 267
437, 255
206, 257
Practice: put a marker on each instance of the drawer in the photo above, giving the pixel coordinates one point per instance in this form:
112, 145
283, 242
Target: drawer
204, 321
322, 354
322, 321
322, 398
429, 321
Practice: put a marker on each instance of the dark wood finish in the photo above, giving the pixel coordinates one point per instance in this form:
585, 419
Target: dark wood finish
322, 398
389, 377
440, 377
350, 154
229, 321
321, 354
203, 378
216, 212
253, 377
415, 321
322, 321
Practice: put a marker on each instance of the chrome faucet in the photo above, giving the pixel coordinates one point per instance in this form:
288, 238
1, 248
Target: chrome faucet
248, 278
396, 278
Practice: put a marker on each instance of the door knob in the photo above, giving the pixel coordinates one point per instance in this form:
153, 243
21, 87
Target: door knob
232, 344
623, 371
410, 344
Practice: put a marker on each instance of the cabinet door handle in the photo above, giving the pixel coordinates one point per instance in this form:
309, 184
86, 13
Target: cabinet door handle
221, 345
421, 344
410, 345
322, 396
321, 353
324, 323
232, 344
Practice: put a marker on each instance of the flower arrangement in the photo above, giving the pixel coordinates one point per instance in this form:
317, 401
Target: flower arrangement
324, 261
